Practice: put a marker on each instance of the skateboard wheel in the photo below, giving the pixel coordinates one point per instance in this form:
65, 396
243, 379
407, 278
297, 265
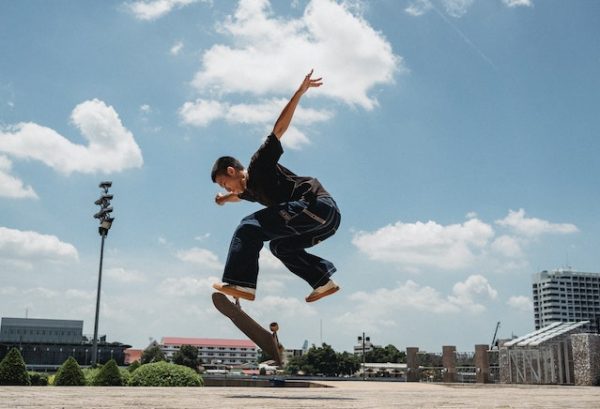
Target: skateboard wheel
274, 327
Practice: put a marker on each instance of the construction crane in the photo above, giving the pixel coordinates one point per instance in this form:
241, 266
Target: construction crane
495, 333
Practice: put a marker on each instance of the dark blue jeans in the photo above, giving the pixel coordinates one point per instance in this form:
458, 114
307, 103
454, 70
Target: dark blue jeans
291, 228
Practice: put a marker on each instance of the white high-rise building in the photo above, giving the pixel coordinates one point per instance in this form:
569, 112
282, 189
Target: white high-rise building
566, 296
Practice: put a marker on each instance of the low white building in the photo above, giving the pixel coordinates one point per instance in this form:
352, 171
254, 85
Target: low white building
214, 350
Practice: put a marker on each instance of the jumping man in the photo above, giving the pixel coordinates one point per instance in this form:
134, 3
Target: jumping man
299, 213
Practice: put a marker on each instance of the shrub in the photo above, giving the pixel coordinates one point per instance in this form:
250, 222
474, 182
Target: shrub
12, 369
135, 365
165, 374
91, 373
38, 379
109, 375
69, 374
126, 375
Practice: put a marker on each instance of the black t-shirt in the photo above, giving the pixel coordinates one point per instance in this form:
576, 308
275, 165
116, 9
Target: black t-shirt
270, 183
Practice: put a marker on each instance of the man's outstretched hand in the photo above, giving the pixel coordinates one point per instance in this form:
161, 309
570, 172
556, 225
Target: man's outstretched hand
310, 83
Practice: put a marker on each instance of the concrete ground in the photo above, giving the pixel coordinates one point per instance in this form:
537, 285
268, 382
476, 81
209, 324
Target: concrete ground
340, 395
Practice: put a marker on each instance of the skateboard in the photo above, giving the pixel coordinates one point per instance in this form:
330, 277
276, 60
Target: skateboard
267, 341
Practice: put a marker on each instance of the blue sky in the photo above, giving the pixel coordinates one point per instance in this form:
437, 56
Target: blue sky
459, 138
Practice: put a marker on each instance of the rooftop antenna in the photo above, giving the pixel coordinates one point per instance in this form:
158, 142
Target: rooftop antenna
26, 313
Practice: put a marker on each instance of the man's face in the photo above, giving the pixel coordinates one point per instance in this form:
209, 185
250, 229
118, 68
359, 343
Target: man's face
232, 181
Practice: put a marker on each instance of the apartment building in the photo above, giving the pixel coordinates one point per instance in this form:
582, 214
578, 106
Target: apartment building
214, 350
566, 296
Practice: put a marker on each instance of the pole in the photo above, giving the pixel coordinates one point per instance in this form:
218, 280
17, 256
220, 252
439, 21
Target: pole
363, 357
95, 342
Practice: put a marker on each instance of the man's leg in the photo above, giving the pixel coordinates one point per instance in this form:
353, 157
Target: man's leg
291, 249
241, 267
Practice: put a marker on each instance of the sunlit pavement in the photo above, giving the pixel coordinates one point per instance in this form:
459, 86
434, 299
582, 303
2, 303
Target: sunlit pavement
339, 395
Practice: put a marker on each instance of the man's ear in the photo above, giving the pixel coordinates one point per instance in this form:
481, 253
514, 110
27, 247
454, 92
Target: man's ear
230, 171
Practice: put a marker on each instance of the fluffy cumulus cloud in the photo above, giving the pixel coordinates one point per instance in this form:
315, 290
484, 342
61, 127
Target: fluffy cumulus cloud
24, 247
520, 303
111, 147
378, 308
277, 52
531, 226
426, 244
418, 246
11, 186
149, 10
466, 294
202, 112
201, 257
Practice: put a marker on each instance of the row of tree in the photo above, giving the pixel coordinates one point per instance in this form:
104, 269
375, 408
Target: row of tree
318, 360
324, 360
187, 355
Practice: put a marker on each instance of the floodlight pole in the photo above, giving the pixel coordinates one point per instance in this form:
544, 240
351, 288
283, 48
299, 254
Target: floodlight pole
105, 224
95, 343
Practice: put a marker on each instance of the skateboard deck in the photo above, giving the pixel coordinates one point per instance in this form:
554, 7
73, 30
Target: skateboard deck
267, 341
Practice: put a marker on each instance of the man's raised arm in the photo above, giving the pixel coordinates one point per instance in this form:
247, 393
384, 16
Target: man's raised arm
283, 122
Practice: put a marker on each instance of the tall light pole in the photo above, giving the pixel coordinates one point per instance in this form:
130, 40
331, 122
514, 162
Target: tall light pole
105, 223
364, 339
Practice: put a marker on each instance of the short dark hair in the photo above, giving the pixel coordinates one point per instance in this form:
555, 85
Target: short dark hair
221, 165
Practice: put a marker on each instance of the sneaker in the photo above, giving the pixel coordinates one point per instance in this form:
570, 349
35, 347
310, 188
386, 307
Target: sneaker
236, 291
323, 291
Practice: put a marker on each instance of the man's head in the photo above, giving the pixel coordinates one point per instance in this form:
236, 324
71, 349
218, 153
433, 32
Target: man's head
230, 174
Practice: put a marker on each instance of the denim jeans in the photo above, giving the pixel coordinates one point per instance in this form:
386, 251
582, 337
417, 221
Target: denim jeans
291, 227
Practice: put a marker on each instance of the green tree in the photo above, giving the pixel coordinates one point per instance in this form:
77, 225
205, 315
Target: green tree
187, 355
348, 363
321, 360
387, 354
153, 354
109, 375
69, 374
13, 370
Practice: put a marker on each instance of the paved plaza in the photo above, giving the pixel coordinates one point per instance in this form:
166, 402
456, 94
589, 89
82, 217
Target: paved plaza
339, 395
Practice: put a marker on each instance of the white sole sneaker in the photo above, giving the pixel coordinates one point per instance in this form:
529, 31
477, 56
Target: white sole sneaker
323, 291
236, 291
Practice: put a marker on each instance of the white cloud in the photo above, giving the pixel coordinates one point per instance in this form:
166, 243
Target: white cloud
426, 244
202, 112
416, 246
269, 262
531, 227
518, 3
276, 53
176, 49
465, 294
10, 186
29, 246
454, 8
378, 309
145, 109
457, 8
202, 257
111, 147
188, 286
521, 303
508, 246
277, 307
125, 276
418, 7
153, 9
